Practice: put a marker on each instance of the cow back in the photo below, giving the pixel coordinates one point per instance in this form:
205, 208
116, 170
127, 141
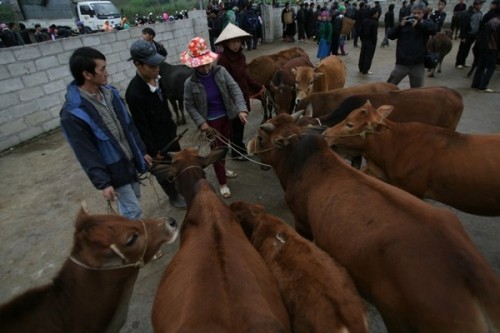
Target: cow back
218, 276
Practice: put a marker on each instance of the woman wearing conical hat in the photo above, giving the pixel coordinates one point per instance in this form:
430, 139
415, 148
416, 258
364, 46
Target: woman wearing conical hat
232, 39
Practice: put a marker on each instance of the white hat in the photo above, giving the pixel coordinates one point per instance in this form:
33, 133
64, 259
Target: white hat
231, 31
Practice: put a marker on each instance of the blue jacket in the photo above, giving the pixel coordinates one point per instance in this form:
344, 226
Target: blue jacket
96, 149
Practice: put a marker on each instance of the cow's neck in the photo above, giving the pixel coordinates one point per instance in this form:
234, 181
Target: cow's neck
101, 297
186, 183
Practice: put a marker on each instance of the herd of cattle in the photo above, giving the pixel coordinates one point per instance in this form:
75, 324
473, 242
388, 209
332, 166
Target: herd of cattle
358, 235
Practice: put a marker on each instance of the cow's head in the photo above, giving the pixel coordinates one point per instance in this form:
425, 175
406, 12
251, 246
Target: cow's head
275, 134
305, 81
113, 241
283, 96
186, 168
351, 133
248, 215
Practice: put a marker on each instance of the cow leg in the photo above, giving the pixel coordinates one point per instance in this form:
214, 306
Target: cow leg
173, 102
439, 65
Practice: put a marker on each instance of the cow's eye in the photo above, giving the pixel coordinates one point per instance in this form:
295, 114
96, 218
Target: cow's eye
261, 140
132, 239
349, 125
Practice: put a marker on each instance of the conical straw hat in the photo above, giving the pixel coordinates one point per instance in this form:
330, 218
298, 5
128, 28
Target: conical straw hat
231, 31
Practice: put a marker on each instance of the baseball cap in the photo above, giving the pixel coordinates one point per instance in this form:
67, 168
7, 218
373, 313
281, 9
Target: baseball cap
478, 2
145, 52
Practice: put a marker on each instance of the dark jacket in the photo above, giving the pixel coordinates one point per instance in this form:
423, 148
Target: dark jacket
235, 63
95, 147
369, 30
160, 49
411, 46
151, 115
389, 19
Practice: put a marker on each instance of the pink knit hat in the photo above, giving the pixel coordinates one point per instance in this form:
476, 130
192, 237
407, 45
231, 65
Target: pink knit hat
198, 53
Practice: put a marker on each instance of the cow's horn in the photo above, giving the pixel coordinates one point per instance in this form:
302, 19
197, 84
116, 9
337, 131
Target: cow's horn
297, 115
267, 127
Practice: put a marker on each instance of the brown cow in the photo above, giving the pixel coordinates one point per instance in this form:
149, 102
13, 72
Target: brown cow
283, 84
413, 261
262, 68
92, 290
329, 74
321, 103
319, 294
217, 282
441, 44
429, 162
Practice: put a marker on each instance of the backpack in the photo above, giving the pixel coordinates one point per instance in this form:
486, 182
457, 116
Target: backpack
251, 21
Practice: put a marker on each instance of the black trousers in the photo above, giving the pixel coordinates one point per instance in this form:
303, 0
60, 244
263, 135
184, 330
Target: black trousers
366, 56
463, 50
237, 138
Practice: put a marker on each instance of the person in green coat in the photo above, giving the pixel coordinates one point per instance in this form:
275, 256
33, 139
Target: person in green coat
324, 35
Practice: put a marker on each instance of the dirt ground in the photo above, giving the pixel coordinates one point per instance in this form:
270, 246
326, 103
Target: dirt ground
42, 187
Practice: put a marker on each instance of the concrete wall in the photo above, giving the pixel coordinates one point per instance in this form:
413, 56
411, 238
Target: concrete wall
33, 78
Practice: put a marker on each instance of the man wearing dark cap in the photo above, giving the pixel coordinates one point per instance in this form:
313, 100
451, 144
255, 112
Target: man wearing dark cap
147, 102
102, 134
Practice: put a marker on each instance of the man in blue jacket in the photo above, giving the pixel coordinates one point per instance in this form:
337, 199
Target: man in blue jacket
102, 134
412, 35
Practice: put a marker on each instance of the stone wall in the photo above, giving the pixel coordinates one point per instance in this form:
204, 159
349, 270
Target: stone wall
33, 78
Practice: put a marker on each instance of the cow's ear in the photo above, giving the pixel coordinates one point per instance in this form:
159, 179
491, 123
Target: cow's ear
385, 110
82, 215
294, 71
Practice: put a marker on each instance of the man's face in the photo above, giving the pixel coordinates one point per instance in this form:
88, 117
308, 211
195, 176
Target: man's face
478, 6
100, 77
148, 72
418, 13
147, 37
441, 6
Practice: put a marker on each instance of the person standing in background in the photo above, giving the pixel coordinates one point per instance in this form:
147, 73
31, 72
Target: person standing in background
468, 32
439, 15
324, 36
368, 38
411, 47
149, 35
388, 24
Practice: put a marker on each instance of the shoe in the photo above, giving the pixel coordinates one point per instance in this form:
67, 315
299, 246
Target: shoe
367, 73
224, 191
488, 90
466, 65
344, 54
460, 67
157, 256
231, 174
178, 203
240, 158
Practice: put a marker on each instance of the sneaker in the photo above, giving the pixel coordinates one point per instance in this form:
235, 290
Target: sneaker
240, 158
178, 203
488, 90
367, 73
460, 67
224, 191
231, 174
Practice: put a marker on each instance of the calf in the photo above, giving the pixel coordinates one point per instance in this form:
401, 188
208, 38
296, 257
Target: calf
413, 261
318, 293
440, 44
172, 79
429, 162
321, 103
92, 290
217, 282
329, 74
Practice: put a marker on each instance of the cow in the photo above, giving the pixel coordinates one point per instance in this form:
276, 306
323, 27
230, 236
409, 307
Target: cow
440, 44
321, 103
262, 68
283, 84
318, 293
216, 282
329, 74
172, 78
92, 290
438, 106
459, 170
413, 261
